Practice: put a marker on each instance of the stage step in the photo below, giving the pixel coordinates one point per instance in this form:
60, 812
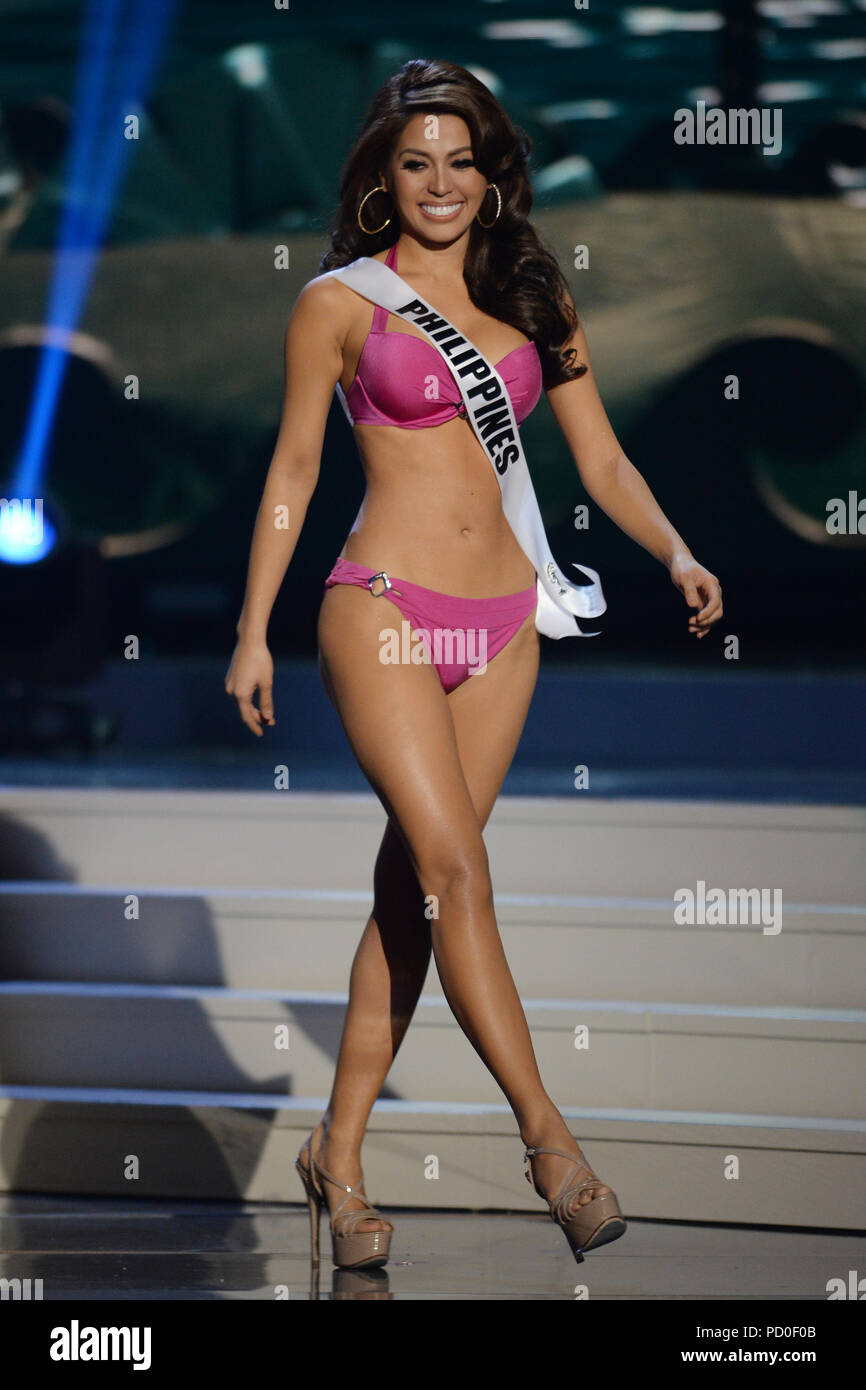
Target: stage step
665, 1166
306, 841
772, 1060
602, 946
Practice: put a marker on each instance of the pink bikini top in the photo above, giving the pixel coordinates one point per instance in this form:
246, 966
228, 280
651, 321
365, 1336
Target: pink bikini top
402, 380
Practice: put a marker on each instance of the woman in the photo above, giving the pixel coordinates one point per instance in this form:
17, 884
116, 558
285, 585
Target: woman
436, 187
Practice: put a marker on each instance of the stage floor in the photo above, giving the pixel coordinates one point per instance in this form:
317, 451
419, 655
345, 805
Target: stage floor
92, 1249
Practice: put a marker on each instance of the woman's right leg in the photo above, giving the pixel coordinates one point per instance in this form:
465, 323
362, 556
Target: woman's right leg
387, 976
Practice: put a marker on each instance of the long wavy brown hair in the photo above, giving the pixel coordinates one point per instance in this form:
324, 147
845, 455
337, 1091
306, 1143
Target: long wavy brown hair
509, 274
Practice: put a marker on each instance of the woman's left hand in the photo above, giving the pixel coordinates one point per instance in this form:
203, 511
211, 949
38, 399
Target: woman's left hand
700, 589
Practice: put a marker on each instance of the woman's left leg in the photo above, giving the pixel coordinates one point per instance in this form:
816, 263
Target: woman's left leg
486, 710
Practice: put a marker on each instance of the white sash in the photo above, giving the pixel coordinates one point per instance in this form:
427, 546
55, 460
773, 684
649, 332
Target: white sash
490, 413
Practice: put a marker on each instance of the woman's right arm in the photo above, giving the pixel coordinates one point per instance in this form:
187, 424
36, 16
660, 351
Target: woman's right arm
313, 363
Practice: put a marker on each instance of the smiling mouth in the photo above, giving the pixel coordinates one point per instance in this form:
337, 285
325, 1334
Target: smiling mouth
441, 210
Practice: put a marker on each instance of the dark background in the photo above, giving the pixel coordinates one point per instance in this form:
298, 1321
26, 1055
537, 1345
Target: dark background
703, 261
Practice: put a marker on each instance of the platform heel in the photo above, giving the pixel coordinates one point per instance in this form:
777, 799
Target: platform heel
586, 1227
350, 1248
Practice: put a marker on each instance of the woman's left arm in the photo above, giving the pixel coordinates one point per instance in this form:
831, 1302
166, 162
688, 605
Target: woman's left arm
615, 484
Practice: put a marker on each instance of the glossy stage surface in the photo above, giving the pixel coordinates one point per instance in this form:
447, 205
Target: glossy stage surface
83, 1248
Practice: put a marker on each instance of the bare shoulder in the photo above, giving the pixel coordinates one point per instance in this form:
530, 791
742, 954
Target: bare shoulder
326, 296
322, 315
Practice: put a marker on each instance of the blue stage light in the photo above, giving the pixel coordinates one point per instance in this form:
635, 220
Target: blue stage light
120, 43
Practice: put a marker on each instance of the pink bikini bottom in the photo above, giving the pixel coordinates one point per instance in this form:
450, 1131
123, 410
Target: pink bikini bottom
458, 636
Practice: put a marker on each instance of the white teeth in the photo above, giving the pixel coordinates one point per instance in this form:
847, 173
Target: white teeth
441, 209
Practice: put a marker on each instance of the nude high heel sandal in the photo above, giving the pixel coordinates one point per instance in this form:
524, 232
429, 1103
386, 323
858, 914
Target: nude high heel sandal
350, 1248
586, 1227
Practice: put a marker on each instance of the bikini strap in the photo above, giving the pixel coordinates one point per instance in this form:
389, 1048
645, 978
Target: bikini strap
380, 315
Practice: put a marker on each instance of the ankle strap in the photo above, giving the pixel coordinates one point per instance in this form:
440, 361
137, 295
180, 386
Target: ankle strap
344, 1187
530, 1153
560, 1153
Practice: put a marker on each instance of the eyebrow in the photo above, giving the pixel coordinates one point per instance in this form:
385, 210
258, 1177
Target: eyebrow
426, 153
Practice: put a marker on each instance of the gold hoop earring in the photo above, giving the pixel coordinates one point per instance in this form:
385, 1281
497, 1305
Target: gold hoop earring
371, 231
485, 225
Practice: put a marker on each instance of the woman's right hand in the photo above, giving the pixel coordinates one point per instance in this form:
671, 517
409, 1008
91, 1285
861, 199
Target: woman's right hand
251, 669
